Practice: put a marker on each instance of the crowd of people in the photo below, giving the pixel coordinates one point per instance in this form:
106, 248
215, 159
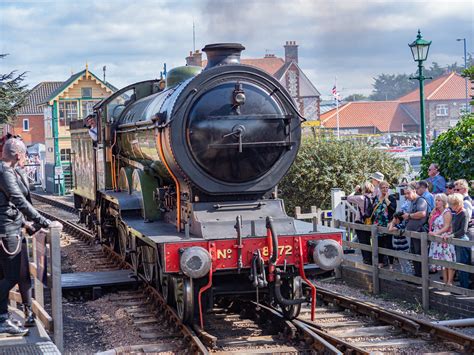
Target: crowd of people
441, 208
17, 216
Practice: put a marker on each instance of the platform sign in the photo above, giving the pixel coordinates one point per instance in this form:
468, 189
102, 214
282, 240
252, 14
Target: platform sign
41, 260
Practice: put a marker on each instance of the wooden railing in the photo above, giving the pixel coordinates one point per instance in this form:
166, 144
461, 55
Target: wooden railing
47, 244
424, 259
343, 215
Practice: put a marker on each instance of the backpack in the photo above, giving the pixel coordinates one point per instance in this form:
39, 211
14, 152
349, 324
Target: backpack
369, 204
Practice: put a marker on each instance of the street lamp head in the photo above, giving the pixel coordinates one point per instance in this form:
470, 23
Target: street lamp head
419, 48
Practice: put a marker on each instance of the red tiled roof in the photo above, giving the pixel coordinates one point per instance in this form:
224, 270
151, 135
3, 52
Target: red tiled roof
384, 115
268, 64
447, 87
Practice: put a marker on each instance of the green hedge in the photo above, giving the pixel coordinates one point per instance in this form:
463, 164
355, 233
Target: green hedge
324, 163
453, 150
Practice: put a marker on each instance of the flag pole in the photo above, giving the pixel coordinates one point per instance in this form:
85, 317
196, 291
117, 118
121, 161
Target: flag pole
337, 107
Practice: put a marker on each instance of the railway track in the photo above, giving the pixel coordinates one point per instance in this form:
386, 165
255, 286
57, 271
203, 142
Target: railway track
342, 324
150, 314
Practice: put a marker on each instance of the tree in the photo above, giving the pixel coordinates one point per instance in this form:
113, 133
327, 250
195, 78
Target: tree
13, 94
453, 151
391, 86
355, 97
324, 163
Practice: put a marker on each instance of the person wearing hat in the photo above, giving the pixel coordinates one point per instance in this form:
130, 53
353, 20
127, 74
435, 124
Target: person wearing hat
376, 178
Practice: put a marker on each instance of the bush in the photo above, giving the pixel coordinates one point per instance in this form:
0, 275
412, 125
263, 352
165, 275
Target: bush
453, 150
324, 163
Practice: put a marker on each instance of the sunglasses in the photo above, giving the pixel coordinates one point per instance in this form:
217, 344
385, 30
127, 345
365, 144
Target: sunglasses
449, 187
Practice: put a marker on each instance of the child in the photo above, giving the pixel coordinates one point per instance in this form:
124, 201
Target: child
399, 241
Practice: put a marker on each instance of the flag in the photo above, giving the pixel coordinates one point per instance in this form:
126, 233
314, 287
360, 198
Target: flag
336, 95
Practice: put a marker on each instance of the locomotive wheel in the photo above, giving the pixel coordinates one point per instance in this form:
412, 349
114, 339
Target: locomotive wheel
292, 289
166, 289
183, 297
123, 240
148, 261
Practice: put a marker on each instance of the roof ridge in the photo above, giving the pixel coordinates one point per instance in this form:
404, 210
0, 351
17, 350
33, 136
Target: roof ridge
343, 107
440, 86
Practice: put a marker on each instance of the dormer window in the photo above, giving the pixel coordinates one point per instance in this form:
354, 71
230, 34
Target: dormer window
86, 93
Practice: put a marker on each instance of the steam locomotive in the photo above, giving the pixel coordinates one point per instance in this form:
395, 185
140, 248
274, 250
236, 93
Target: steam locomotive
181, 181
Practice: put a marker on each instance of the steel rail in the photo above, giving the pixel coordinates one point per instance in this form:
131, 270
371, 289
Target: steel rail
405, 322
197, 345
321, 340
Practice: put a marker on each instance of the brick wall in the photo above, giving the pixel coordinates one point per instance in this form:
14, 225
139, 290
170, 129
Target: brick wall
35, 134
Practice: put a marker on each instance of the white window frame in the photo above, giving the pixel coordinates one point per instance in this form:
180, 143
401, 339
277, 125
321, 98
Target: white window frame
86, 107
465, 109
68, 110
442, 110
27, 121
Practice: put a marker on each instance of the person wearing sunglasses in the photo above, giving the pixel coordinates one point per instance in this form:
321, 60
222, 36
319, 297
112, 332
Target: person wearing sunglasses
449, 188
439, 182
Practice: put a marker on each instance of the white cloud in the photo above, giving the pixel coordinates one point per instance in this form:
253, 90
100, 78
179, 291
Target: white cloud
355, 40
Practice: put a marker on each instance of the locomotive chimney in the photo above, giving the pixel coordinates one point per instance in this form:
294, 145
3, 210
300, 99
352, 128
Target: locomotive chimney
222, 54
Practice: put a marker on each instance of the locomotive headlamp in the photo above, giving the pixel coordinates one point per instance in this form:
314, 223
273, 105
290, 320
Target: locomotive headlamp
327, 254
239, 95
240, 98
195, 262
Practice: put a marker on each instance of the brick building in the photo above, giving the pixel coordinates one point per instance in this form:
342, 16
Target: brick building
287, 71
445, 103
29, 122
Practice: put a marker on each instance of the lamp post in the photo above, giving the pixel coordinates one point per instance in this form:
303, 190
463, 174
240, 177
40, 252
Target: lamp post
465, 67
420, 49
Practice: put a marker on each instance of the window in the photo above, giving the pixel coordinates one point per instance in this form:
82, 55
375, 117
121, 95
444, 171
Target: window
87, 108
26, 124
67, 112
453, 123
65, 154
441, 110
86, 92
464, 109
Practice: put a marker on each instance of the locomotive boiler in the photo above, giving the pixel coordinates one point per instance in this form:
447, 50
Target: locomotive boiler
182, 183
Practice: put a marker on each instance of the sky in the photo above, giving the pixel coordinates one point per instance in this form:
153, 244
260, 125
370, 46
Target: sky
351, 40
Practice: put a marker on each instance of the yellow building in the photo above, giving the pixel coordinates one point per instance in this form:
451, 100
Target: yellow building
73, 100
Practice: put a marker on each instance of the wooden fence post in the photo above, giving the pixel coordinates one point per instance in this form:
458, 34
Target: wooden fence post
337, 208
375, 260
56, 288
425, 281
338, 270
38, 285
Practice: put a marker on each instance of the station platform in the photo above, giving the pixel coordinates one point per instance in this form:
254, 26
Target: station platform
80, 280
36, 342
